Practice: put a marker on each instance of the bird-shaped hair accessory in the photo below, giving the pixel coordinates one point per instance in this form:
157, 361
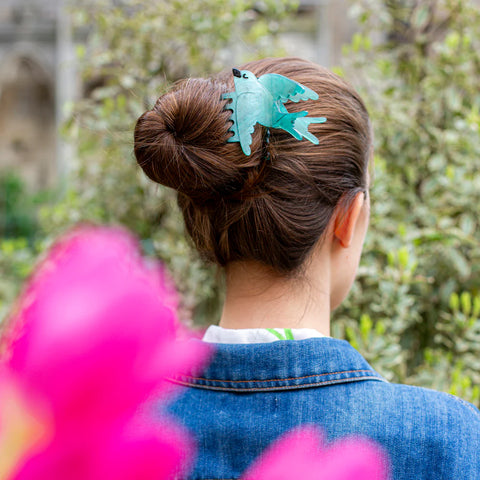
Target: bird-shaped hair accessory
261, 100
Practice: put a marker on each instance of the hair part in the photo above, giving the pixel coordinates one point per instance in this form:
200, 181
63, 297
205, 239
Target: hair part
239, 207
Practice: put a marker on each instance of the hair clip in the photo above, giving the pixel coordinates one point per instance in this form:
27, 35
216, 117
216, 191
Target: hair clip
261, 100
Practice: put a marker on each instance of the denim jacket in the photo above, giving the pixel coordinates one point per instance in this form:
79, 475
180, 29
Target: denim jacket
251, 394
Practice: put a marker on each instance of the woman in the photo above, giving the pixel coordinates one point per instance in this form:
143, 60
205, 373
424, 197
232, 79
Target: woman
287, 218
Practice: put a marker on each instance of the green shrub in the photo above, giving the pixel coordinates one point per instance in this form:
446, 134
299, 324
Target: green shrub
422, 255
19, 236
17, 208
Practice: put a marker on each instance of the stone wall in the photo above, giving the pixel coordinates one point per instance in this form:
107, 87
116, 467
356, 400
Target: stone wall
319, 31
28, 90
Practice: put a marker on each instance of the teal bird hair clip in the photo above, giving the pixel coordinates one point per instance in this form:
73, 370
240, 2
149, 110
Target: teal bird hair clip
261, 100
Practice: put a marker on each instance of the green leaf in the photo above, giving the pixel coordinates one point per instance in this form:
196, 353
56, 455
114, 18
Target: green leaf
466, 302
454, 302
421, 16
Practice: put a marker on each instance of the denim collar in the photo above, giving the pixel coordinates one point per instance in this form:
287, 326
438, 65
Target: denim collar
281, 365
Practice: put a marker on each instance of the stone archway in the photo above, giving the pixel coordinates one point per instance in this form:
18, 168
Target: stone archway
27, 120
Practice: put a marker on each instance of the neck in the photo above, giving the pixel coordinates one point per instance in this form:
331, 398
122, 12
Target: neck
258, 298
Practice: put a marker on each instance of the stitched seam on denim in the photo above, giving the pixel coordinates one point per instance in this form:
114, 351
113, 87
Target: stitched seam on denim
464, 403
284, 387
274, 379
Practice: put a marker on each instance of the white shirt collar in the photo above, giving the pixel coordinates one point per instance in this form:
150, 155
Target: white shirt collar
215, 334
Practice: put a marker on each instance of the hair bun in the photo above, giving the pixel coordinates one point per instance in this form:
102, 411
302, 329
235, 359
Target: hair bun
182, 141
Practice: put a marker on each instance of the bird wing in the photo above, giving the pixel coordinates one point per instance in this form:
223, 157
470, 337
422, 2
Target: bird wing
284, 89
247, 114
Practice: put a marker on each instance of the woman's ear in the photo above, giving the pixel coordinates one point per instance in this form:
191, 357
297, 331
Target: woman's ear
346, 220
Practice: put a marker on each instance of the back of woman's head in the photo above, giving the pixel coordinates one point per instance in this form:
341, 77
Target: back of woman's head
274, 205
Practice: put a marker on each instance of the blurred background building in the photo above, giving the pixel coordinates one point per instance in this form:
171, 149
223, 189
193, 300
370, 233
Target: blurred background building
37, 75
35, 80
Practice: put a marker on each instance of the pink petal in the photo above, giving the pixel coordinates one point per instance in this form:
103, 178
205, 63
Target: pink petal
125, 451
96, 324
93, 337
146, 452
292, 456
301, 454
354, 458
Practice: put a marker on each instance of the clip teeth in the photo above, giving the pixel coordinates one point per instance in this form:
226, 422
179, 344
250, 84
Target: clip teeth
233, 129
234, 137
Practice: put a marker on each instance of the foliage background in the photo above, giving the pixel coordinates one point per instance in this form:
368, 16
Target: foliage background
415, 310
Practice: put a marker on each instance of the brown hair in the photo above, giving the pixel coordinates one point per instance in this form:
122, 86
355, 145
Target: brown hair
269, 208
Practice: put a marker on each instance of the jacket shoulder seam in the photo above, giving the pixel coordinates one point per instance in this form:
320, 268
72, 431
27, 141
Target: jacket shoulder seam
465, 404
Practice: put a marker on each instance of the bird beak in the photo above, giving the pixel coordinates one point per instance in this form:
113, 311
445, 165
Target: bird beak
236, 73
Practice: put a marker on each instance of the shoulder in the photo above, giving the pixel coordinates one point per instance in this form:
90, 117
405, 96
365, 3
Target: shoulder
428, 434
438, 402
445, 419
411, 406
427, 402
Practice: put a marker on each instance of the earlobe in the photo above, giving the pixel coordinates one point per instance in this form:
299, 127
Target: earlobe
346, 220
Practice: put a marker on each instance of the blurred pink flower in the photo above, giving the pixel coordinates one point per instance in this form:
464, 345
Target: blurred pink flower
91, 339
302, 454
